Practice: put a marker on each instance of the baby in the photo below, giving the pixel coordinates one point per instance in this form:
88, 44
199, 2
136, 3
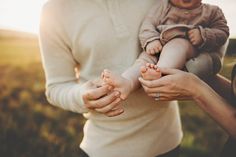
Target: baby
175, 31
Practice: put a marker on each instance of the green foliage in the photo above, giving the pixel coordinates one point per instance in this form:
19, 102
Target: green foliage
30, 127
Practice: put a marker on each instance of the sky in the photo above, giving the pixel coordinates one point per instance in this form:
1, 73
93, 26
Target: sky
24, 15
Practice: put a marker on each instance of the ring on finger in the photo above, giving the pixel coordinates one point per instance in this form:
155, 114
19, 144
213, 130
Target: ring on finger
157, 97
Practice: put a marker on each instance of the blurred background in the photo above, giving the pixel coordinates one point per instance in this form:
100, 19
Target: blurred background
30, 127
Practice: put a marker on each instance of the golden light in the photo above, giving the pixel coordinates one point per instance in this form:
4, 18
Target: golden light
21, 15
24, 14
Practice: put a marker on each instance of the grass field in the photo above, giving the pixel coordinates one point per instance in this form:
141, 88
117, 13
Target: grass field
30, 127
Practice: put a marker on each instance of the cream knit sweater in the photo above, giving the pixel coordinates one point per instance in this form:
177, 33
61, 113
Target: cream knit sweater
99, 34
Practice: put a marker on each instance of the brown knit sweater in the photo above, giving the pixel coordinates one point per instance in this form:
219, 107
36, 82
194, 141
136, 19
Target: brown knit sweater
208, 18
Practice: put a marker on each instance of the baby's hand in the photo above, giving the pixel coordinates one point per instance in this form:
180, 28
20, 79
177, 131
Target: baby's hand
195, 37
154, 47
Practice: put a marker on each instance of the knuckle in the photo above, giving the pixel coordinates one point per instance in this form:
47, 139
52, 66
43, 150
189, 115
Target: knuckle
110, 114
103, 111
144, 88
99, 104
113, 114
88, 106
95, 104
150, 95
149, 90
150, 84
111, 98
109, 108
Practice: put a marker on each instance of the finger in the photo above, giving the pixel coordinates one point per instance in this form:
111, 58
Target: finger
194, 42
119, 106
153, 91
103, 101
146, 83
156, 49
109, 107
96, 93
160, 48
169, 98
148, 64
191, 37
191, 40
114, 113
153, 51
190, 32
161, 94
164, 96
148, 51
169, 71
165, 90
152, 83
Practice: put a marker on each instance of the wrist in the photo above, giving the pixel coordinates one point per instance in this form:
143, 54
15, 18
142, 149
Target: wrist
199, 88
195, 86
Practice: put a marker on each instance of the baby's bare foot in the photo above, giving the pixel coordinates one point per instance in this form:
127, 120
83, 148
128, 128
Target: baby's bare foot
119, 83
150, 72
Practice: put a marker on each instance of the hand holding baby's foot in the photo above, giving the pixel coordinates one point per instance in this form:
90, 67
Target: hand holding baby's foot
150, 72
121, 84
154, 47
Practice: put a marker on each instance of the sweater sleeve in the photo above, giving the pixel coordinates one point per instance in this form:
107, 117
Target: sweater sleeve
62, 88
148, 30
216, 34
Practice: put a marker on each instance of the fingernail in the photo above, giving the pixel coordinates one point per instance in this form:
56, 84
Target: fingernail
121, 110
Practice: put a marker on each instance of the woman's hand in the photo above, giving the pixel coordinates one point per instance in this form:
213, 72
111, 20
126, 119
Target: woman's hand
173, 85
101, 98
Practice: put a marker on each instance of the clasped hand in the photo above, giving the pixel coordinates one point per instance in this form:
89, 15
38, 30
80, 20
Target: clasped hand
101, 98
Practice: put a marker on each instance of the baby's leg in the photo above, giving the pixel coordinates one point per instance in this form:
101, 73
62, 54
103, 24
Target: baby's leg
175, 53
119, 83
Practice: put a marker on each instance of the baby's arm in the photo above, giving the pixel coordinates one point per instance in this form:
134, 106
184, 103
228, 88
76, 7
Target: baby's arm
216, 34
128, 81
148, 31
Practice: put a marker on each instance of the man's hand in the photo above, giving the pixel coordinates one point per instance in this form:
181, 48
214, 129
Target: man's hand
101, 98
154, 47
195, 37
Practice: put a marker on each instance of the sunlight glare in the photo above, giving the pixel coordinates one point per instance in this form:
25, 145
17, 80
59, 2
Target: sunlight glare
20, 14
24, 14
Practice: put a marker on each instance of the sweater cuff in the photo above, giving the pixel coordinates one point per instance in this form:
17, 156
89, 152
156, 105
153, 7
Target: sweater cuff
148, 41
202, 32
78, 103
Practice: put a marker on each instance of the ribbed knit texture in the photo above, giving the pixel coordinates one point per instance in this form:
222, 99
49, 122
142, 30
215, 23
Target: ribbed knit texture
99, 34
